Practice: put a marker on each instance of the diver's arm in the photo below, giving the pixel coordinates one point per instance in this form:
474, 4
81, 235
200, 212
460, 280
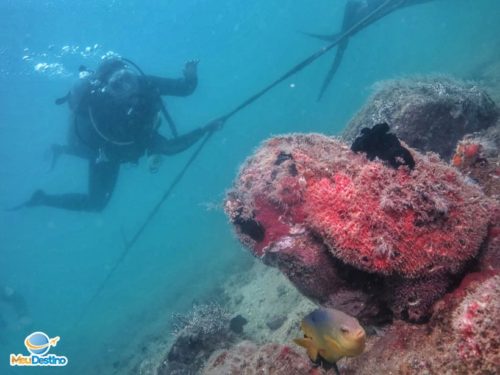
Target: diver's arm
161, 145
180, 86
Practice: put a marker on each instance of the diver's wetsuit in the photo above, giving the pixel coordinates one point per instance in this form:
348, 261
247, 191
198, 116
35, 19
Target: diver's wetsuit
351, 16
105, 157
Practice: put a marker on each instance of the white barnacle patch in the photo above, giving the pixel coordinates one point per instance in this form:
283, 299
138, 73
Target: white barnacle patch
284, 243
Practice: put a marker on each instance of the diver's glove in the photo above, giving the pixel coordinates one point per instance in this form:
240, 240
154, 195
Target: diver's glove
191, 69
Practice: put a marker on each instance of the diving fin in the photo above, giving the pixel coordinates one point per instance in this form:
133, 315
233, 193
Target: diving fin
325, 37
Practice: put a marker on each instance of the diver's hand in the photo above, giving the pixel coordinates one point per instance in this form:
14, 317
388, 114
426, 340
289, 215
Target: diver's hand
191, 69
215, 125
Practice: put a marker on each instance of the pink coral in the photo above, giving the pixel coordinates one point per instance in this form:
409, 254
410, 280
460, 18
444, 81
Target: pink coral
413, 227
476, 321
387, 221
462, 336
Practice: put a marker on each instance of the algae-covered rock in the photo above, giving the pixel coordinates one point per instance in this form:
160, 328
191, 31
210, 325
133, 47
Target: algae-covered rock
356, 234
428, 113
250, 359
462, 337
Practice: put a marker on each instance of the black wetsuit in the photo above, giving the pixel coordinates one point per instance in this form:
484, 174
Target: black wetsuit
105, 157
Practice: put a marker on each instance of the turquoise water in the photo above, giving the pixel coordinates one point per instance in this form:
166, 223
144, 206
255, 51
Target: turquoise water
57, 259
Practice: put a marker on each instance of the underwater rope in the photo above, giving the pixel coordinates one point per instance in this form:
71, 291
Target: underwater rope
222, 120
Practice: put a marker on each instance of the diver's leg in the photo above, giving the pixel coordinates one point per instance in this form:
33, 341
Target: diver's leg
79, 151
72, 202
102, 180
352, 11
334, 67
78, 143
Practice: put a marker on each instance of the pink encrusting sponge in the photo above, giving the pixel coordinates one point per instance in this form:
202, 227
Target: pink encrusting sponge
392, 221
400, 224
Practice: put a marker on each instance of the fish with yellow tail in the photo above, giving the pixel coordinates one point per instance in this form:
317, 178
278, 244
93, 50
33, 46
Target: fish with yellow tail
330, 335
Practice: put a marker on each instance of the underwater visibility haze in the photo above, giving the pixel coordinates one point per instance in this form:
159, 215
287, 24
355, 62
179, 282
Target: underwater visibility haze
119, 302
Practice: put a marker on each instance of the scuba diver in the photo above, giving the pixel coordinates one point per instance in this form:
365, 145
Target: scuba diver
115, 116
10, 297
358, 14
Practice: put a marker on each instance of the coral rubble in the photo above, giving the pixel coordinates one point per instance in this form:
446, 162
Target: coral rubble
429, 114
356, 234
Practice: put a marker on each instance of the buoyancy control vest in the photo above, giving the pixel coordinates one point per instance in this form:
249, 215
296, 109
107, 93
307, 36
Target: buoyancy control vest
116, 110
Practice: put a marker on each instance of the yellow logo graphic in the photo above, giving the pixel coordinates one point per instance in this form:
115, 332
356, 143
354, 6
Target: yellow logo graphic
39, 344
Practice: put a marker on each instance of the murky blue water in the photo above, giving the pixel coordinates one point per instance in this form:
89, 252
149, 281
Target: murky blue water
57, 259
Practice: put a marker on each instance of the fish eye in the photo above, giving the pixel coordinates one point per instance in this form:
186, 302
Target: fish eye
344, 329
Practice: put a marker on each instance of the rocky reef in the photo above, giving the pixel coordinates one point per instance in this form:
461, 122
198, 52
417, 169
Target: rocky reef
461, 338
248, 358
477, 156
391, 246
428, 113
198, 333
333, 221
373, 241
412, 251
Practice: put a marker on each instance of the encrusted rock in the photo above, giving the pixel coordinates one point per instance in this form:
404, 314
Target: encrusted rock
463, 336
198, 333
353, 233
478, 157
249, 359
429, 114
